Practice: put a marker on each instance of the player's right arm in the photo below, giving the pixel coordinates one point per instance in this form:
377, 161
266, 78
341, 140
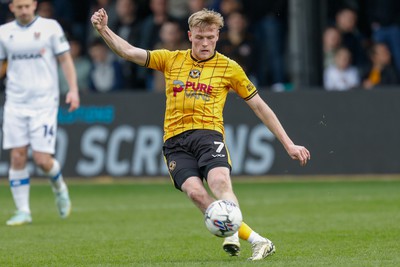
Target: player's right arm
120, 47
268, 117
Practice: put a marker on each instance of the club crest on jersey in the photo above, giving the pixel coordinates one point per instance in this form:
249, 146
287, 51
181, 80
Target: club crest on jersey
36, 35
194, 74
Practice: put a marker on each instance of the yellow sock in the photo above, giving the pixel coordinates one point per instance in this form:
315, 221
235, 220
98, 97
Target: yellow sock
244, 231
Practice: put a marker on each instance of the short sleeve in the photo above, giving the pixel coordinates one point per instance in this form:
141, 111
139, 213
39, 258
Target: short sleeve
59, 41
241, 84
157, 59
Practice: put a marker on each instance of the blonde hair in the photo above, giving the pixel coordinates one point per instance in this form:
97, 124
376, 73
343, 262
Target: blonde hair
205, 18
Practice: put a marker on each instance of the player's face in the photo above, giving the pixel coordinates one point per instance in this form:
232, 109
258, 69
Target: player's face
23, 10
203, 41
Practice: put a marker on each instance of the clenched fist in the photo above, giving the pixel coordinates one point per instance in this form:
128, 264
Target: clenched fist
99, 19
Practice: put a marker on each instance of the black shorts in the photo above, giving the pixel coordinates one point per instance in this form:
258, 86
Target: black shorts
195, 153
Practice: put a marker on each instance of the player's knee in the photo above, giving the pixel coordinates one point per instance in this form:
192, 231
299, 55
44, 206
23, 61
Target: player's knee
43, 161
18, 158
219, 176
197, 196
220, 183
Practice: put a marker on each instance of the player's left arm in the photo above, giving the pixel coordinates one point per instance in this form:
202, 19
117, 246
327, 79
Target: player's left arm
269, 118
68, 69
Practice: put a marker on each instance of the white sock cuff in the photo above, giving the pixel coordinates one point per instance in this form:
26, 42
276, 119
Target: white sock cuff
255, 237
55, 170
18, 174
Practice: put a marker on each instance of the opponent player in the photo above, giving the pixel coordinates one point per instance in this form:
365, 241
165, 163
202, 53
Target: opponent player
32, 45
197, 83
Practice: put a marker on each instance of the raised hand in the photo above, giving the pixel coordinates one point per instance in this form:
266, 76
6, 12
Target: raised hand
99, 19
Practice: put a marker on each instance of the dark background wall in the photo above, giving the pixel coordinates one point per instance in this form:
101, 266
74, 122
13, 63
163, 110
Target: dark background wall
354, 132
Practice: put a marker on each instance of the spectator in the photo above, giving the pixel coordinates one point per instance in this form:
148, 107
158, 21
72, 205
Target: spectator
64, 9
384, 20
105, 74
5, 14
341, 75
178, 9
192, 7
109, 6
171, 38
381, 71
75, 14
150, 34
45, 9
238, 44
82, 65
346, 23
196, 5
227, 7
127, 25
331, 42
269, 20
151, 25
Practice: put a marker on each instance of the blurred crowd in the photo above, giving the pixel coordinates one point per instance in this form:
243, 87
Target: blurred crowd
360, 40
361, 46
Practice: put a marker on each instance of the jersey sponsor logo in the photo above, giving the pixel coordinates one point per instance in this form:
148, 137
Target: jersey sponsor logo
25, 56
197, 95
179, 86
198, 89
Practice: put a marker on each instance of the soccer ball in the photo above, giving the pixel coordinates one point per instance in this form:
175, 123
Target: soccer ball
223, 218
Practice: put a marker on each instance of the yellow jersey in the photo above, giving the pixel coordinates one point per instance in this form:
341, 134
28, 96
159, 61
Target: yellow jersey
196, 90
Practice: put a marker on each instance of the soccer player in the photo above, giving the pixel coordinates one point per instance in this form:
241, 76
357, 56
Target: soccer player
32, 45
197, 82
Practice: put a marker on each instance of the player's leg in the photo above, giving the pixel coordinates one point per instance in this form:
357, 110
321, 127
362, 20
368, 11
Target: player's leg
195, 190
184, 172
220, 185
43, 133
261, 246
20, 186
16, 138
215, 166
51, 169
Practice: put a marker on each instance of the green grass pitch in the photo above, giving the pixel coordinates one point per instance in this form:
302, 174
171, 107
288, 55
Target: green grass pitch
312, 223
